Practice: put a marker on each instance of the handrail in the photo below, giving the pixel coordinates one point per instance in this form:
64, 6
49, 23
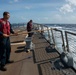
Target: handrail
58, 40
67, 41
61, 36
70, 32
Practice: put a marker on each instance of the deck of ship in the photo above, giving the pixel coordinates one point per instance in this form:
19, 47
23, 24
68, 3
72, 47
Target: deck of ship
43, 60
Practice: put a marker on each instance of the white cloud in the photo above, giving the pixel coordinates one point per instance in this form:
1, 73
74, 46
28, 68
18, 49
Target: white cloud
58, 16
10, 2
71, 2
45, 18
23, 18
27, 7
68, 7
38, 18
16, 0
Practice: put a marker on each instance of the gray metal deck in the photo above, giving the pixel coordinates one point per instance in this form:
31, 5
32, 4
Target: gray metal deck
41, 61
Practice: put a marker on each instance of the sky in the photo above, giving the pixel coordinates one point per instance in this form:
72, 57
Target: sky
40, 11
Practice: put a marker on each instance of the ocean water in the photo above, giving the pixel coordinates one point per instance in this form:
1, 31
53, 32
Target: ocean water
58, 39
70, 27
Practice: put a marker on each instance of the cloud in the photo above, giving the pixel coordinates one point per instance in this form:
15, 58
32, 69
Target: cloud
68, 7
71, 2
13, 1
58, 16
46, 18
16, 0
10, 2
23, 18
38, 19
27, 7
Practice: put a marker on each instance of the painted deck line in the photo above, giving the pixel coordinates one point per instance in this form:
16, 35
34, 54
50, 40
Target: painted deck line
20, 43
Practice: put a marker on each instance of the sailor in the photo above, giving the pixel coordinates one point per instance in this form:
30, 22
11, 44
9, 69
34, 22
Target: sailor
5, 48
29, 28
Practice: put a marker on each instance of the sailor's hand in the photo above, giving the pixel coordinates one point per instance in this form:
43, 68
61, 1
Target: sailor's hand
5, 35
15, 34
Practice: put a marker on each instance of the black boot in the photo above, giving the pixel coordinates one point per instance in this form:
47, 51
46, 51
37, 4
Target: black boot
9, 62
2, 68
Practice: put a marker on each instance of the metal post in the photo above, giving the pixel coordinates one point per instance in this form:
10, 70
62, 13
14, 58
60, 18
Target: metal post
53, 36
67, 41
48, 34
63, 40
